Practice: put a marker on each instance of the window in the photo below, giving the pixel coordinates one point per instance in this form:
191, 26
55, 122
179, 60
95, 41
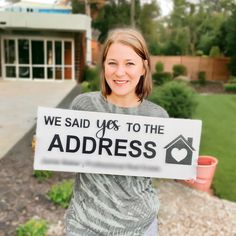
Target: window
38, 58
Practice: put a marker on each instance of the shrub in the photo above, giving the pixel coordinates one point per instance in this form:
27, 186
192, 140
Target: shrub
215, 51
202, 77
230, 87
85, 87
232, 80
160, 78
42, 175
179, 70
177, 98
159, 67
232, 65
33, 227
61, 193
183, 78
91, 79
199, 53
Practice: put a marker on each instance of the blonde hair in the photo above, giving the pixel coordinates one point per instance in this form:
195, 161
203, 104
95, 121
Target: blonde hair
134, 39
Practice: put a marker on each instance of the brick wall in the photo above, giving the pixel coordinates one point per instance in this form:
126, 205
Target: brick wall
215, 68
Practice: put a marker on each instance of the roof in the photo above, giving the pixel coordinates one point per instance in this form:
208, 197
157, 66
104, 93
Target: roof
180, 137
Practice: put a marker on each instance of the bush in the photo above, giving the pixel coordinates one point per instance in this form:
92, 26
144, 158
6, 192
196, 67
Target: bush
202, 77
232, 65
232, 80
199, 53
230, 87
183, 78
33, 227
215, 51
61, 193
42, 175
177, 98
159, 67
91, 79
179, 70
160, 78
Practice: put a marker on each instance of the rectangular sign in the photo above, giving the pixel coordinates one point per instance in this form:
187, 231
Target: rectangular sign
107, 143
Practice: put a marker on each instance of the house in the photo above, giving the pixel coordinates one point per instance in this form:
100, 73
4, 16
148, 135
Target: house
179, 151
43, 42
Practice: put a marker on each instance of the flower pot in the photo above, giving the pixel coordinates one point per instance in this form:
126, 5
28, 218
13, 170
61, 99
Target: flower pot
205, 173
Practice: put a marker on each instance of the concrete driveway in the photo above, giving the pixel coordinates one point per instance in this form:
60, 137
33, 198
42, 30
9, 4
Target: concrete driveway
18, 106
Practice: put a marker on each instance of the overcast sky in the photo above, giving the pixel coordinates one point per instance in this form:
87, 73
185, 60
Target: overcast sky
166, 5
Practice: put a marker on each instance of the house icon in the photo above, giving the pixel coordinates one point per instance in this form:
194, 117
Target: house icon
180, 151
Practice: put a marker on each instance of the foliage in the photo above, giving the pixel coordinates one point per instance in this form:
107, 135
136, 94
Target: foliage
177, 98
179, 69
77, 7
113, 14
61, 193
218, 139
42, 175
116, 13
160, 78
147, 23
231, 34
171, 48
232, 79
230, 87
199, 53
232, 65
154, 47
33, 227
215, 51
195, 26
91, 79
159, 67
202, 77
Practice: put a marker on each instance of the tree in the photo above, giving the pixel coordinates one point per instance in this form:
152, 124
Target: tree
231, 35
117, 13
113, 14
231, 42
196, 26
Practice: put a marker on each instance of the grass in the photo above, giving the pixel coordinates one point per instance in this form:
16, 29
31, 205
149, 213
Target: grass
218, 114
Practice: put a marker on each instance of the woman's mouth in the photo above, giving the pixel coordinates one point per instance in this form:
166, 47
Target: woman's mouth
120, 82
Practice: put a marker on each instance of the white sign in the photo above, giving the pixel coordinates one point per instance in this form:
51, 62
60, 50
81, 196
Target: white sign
107, 143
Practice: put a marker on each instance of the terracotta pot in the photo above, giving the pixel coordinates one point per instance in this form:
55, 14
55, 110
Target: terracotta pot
205, 173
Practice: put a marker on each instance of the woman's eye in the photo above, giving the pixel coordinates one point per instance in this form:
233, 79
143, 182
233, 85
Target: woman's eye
130, 63
111, 63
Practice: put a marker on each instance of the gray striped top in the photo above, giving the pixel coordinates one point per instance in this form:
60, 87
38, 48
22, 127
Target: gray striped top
111, 204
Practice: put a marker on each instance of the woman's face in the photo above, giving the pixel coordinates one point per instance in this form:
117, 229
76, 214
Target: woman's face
122, 69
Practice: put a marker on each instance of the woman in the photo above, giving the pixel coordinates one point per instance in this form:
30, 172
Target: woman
109, 204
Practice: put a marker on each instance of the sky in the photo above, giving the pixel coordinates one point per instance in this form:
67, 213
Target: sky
166, 5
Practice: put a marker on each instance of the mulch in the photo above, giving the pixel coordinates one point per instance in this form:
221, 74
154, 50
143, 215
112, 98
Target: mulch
22, 195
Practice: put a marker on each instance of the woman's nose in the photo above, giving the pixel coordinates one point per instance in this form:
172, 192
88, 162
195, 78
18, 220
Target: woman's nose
120, 71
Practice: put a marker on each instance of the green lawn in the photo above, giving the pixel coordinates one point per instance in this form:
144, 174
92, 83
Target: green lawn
218, 114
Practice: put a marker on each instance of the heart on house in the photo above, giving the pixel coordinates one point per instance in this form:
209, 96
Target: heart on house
179, 154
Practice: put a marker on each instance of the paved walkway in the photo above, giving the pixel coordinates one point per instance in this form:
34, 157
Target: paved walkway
18, 106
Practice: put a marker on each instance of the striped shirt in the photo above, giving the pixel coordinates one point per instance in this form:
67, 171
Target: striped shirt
111, 204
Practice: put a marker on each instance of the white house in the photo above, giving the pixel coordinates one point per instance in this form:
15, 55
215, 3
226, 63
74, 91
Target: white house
43, 42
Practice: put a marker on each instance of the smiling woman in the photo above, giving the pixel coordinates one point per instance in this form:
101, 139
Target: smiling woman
111, 204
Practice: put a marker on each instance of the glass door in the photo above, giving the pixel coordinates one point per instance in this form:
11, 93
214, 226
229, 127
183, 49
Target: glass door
24, 58
9, 51
38, 64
